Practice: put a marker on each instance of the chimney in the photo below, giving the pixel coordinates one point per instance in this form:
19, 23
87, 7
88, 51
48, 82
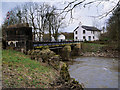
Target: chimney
80, 24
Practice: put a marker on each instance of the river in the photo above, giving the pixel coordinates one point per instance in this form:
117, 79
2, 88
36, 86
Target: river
95, 72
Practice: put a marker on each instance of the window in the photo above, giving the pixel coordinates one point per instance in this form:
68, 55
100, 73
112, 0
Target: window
76, 37
83, 31
93, 37
93, 32
76, 32
83, 37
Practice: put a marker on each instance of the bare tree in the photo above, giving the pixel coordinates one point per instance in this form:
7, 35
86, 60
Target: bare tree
83, 3
41, 17
96, 23
57, 24
54, 21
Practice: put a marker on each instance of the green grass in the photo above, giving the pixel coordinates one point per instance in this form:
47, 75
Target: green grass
0, 64
20, 71
91, 47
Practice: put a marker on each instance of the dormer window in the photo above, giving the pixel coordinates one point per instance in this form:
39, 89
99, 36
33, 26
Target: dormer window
83, 31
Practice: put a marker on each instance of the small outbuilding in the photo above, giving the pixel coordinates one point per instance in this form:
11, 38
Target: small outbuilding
19, 37
61, 37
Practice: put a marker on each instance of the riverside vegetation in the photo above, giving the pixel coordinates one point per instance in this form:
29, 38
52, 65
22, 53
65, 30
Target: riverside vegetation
43, 68
99, 50
39, 69
20, 71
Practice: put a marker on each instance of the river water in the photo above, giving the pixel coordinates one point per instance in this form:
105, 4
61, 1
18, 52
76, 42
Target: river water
95, 72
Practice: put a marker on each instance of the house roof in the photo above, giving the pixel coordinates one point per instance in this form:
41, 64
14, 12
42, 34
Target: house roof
18, 25
90, 28
76, 28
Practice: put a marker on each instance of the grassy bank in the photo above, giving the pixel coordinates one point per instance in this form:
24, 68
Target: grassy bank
20, 71
99, 50
0, 54
91, 47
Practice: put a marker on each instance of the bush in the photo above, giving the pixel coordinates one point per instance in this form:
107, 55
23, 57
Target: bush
64, 71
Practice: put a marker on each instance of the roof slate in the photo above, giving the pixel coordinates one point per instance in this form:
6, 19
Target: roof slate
89, 28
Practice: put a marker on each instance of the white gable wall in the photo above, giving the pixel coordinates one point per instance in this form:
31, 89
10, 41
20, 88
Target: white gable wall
97, 35
78, 35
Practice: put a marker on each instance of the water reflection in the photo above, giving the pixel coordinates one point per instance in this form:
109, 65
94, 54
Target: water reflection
95, 72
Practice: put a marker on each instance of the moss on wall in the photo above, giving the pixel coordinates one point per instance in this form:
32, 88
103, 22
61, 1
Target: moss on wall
65, 52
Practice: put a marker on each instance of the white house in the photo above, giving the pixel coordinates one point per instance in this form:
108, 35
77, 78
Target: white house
61, 37
88, 33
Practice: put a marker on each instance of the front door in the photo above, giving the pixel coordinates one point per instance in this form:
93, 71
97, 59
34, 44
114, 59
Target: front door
89, 38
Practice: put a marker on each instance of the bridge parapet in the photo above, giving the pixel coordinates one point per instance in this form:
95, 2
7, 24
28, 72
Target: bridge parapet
38, 45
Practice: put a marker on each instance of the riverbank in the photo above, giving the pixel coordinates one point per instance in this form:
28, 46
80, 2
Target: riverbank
31, 71
98, 50
112, 54
19, 71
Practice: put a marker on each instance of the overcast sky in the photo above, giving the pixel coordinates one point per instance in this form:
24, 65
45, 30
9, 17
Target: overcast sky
80, 14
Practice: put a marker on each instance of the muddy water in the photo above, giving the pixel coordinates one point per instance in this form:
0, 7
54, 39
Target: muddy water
95, 72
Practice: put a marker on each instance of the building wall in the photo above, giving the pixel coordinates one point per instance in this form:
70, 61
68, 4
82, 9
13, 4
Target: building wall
79, 36
61, 37
97, 35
